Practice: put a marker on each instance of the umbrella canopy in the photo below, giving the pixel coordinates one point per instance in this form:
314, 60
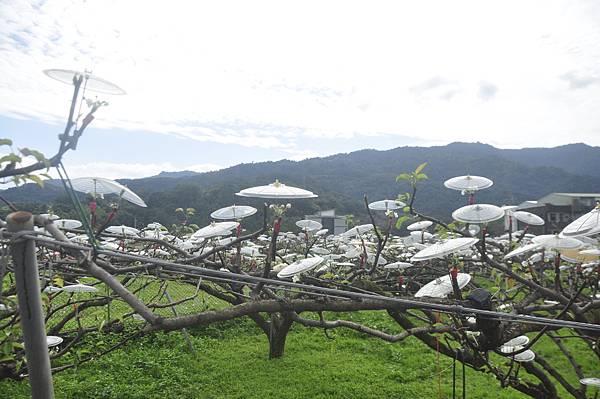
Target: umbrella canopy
309, 225
523, 357
398, 266
233, 212
583, 225
528, 218
53, 340
554, 241
593, 252
253, 252
441, 249
320, 251
68, 223
478, 213
102, 186
226, 241
357, 230
522, 250
578, 256
422, 225
473, 229
92, 83
386, 205
300, 266
50, 216
418, 235
215, 229
122, 230
517, 341
276, 190
468, 183
441, 287
79, 288
590, 381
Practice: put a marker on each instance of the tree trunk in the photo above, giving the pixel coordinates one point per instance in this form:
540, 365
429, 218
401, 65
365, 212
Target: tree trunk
280, 326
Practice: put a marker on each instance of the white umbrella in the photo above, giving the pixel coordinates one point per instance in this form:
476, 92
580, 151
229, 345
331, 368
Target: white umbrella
252, 252
386, 205
122, 230
226, 241
591, 381
215, 229
309, 225
300, 266
441, 287
593, 252
422, 225
468, 183
473, 229
418, 235
441, 249
517, 341
522, 250
347, 264
276, 190
583, 225
102, 186
320, 251
92, 83
523, 357
528, 218
478, 213
79, 288
357, 230
155, 226
51, 289
68, 223
52, 340
233, 212
398, 266
554, 241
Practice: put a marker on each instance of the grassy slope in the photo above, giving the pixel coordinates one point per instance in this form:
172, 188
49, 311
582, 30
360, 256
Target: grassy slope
232, 363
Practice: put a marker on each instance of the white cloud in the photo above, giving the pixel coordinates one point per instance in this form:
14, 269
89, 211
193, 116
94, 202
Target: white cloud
266, 74
128, 170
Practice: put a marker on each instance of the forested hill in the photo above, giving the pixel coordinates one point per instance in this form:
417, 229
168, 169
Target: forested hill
341, 180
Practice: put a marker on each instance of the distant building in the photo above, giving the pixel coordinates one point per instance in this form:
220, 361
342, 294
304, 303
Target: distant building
335, 224
559, 209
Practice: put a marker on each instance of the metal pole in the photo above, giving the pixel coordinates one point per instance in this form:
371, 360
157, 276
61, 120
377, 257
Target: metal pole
188, 340
30, 307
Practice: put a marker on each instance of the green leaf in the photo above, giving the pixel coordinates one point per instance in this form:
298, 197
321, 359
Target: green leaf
422, 176
5, 142
420, 168
18, 345
10, 158
401, 220
403, 176
34, 153
36, 179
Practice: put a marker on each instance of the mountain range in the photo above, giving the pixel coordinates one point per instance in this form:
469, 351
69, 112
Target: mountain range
341, 180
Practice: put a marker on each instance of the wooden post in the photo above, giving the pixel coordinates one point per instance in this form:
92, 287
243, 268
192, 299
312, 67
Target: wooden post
30, 307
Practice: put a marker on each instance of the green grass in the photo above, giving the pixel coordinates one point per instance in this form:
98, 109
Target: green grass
231, 362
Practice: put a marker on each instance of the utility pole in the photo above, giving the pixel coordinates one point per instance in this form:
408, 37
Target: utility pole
30, 306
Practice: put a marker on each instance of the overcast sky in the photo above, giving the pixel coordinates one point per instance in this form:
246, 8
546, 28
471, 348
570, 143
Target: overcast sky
213, 84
